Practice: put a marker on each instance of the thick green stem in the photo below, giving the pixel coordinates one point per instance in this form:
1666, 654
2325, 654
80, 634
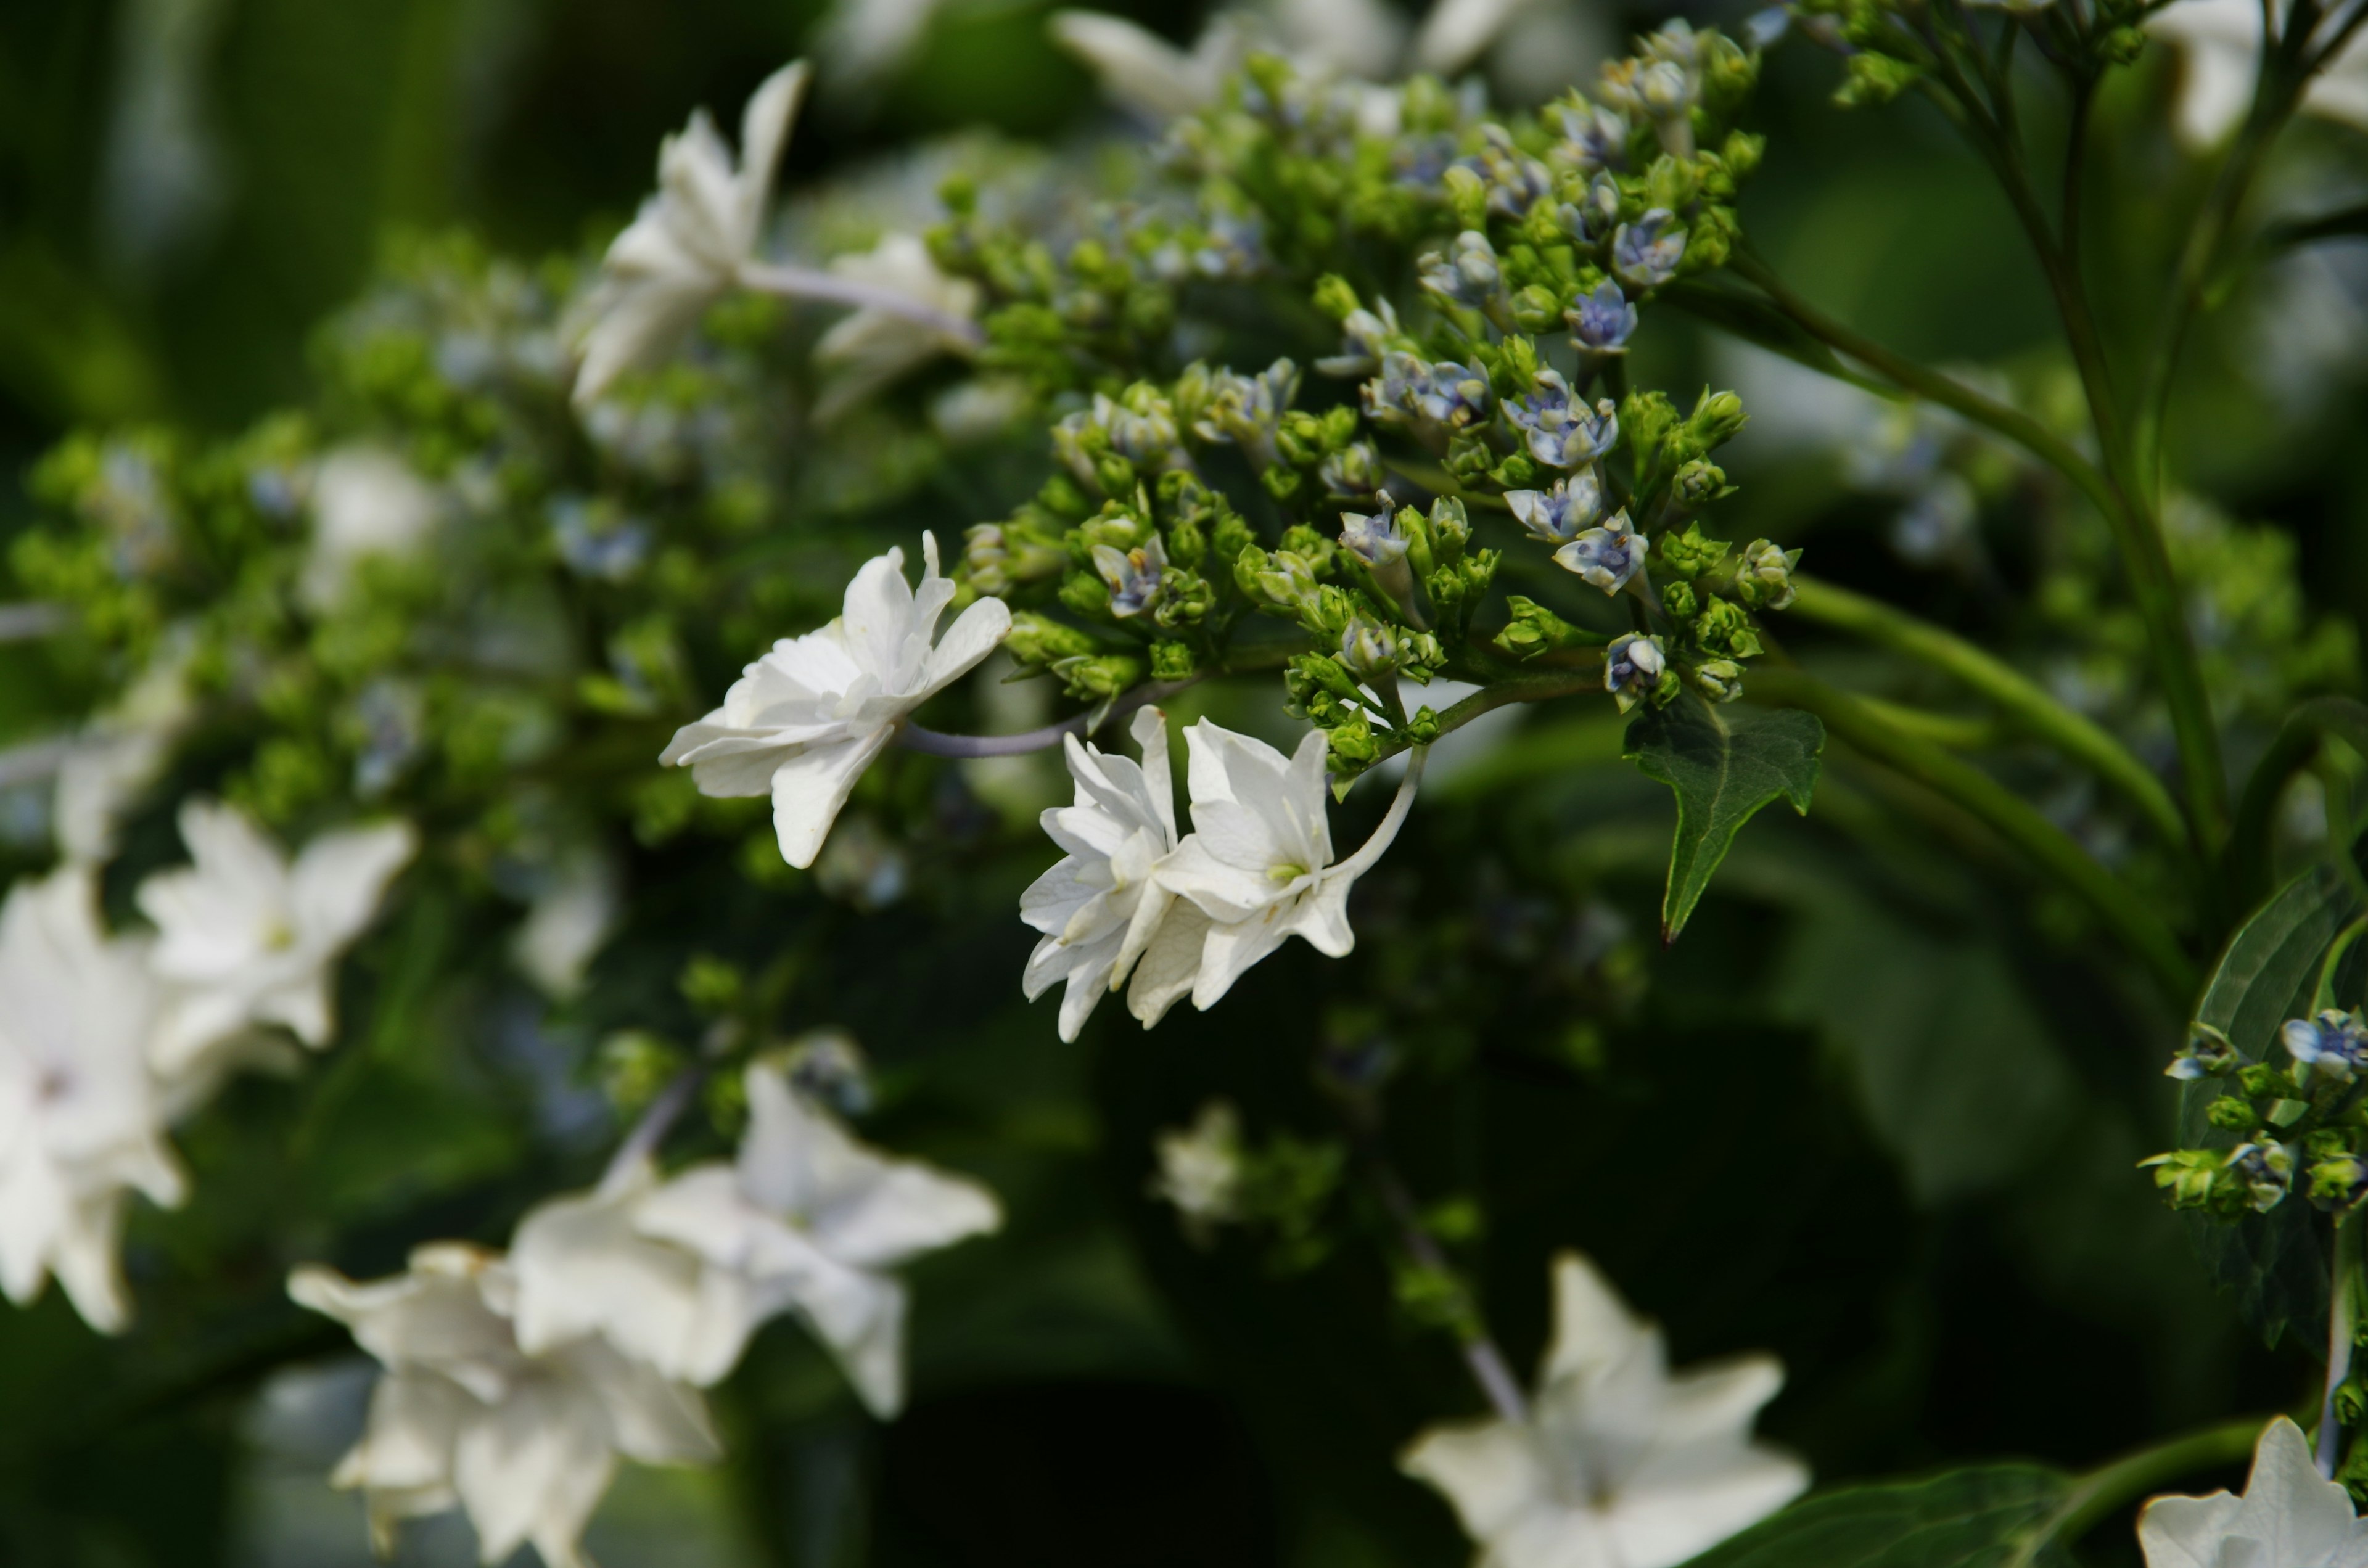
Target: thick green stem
2015, 694
2048, 848
2342, 1312
2247, 863
2110, 1488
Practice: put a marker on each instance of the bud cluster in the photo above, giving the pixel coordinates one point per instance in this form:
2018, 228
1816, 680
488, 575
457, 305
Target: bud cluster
2301, 1126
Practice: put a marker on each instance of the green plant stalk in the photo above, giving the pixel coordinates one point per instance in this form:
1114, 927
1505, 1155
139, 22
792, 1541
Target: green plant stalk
2342, 1313
2048, 848
2105, 1491
2246, 862
2013, 693
2322, 996
2151, 584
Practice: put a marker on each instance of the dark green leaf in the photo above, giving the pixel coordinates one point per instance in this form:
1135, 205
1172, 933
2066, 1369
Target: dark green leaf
1964, 1518
1725, 763
2274, 1264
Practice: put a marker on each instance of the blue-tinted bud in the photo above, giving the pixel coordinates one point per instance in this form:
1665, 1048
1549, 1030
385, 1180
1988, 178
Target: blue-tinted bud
1594, 137
2333, 1045
1560, 430
1606, 556
1365, 336
2266, 1172
1632, 668
2207, 1054
1601, 323
1645, 253
1468, 276
1369, 649
1134, 576
1246, 410
1557, 514
1434, 399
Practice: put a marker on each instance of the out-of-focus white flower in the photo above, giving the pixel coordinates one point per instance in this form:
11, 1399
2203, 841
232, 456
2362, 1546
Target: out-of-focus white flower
121, 754
1143, 73
2290, 1516
247, 938
873, 346
1457, 32
1258, 863
804, 721
863, 40
571, 915
1102, 901
2219, 44
1200, 1167
808, 1220
1618, 1464
366, 502
527, 1444
79, 1123
686, 247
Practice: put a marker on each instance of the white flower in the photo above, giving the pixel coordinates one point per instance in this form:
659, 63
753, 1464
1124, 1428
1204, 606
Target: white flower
810, 1220
247, 939
121, 754
2290, 1516
573, 916
1457, 32
1201, 1166
79, 1123
803, 721
1620, 1464
1258, 863
1101, 904
366, 502
875, 345
2220, 50
1142, 72
686, 247
863, 40
527, 1444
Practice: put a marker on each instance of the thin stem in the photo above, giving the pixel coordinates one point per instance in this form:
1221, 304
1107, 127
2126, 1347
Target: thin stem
2342, 1312
2019, 697
656, 1121
1377, 844
936, 742
2048, 848
2105, 1491
2246, 864
814, 283
1480, 1352
2322, 996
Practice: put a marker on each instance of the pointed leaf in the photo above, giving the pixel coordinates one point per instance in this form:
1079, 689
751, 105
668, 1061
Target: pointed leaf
1724, 763
1978, 1517
2274, 1264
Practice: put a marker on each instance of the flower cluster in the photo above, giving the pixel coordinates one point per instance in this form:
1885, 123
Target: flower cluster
107, 1038
514, 1382
2299, 1124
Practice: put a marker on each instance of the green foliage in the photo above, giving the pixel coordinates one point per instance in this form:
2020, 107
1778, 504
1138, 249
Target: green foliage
1724, 764
1963, 1518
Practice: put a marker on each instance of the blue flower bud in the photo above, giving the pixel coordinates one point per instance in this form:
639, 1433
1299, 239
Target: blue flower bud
2266, 1171
1135, 577
1468, 276
1248, 410
1369, 649
1601, 323
2334, 1045
1606, 556
1560, 430
2207, 1054
1557, 514
1645, 253
1633, 667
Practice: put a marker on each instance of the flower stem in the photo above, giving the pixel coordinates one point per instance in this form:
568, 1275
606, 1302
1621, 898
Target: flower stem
2102, 1492
2048, 848
2020, 697
814, 283
2342, 1313
1487, 1362
2245, 864
656, 1121
936, 742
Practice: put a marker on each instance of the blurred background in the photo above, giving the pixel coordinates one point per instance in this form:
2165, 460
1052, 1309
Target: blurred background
1879, 1187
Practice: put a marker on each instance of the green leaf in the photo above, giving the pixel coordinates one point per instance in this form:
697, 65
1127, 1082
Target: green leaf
1724, 763
1965, 1518
2274, 1264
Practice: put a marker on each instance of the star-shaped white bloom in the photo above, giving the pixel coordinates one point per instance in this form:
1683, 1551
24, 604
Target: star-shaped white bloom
1142, 72
1102, 903
686, 247
367, 501
804, 721
247, 938
2290, 1516
1258, 863
1620, 1464
808, 1220
527, 1444
112, 763
80, 1122
2220, 51
873, 346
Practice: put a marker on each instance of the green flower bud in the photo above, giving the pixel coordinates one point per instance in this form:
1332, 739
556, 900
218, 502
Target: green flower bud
1468, 199
1537, 308
1450, 530
1172, 661
1688, 555
1764, 579
1873, 79
1724, 628
2122, 46
1282, 580
1310, 546
1716, 419
1353, 747
1698, 483
1646, 418
2231, 1113
1185, 597
1681, 600
2263, 1082
1084, 593
1741, 152
1039, 640
1368, 648
2191, 1177
1105, 674
1335, 298
1720, 680
1534, 629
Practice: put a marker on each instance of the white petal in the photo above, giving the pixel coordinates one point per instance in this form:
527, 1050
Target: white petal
972, 637
532, 1467
340, 878
810, 789
1487, 1470
764, 132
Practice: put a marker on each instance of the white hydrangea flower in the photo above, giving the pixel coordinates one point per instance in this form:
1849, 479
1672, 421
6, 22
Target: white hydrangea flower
687, 245
803, 721
525, 1443
1102, 903
80, 1122
574, 914
871, 347
1258, 863
247, 938
120, 753
1618, 1464
366, 502
1143, 73
2219, 43
2290, 1516
808, 1220
1200, 1167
